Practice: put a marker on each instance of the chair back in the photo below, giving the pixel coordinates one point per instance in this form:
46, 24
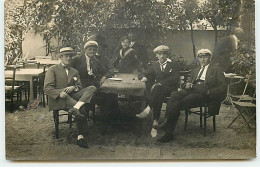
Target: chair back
10, 81
150, 63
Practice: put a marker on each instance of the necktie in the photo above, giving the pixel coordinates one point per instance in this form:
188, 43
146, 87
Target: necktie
66, 68
200, 74
163, 66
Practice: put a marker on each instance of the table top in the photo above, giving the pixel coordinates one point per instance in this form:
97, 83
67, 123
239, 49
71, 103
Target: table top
47, 61
31, 72
128, 85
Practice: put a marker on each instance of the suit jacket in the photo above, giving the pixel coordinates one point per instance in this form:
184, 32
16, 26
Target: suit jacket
169, 77
215, 83
142, 54
98, 70
128, 62
56, 80
225, 47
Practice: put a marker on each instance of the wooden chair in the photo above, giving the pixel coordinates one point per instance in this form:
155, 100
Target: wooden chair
245, 105
64, 112
204, 114
38, 84
56, 117
12, 90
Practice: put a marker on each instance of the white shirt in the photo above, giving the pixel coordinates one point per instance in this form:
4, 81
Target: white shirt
163, 65
203, 76
88, 65
132, 44
66, 69
236, 40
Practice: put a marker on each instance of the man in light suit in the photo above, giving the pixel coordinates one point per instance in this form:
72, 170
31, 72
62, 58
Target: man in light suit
164, 74
63, 86
207, 84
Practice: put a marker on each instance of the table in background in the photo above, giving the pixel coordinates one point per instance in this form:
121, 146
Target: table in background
47, 61
25, 75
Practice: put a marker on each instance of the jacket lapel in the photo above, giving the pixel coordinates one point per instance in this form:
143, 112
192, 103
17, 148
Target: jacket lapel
168, 67
62, 72
209, 71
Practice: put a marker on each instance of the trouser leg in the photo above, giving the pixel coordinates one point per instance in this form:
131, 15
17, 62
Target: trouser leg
173, 109
178, 100
158, 95
85, 95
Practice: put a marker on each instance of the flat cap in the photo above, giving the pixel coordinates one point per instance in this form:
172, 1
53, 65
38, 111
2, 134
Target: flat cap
204, 52
90, 43
161, 48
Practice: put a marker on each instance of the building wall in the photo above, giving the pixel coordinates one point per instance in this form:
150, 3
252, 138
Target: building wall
178, 41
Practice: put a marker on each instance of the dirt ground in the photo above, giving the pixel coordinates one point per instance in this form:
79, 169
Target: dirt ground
30, 136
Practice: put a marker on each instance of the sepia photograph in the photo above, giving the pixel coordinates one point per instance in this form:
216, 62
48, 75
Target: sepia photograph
131, 80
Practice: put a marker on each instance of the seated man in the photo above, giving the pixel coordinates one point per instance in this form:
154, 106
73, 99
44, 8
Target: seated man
93, 72
165, 75
206, 84
63, 86
90, 68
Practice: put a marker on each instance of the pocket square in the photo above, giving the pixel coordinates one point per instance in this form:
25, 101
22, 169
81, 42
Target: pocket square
75, 78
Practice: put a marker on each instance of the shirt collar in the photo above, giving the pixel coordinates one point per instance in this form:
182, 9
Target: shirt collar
165, 62
205, 66
63, 65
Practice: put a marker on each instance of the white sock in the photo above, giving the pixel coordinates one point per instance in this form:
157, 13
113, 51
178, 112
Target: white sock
155, 122
153, 132
147, 110
80, 137
78, 105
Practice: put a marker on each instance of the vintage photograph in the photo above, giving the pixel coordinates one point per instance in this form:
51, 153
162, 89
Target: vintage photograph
142, 80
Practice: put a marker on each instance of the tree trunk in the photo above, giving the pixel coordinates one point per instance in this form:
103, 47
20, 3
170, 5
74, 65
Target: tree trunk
192, 40
216, 35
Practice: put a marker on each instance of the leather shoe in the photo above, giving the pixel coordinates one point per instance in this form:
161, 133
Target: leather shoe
76, 112
167, 137
82, 143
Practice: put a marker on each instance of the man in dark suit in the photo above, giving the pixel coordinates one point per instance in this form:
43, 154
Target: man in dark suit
226, 49
102, 51
93, 73
63, 86
141, 50
206, 84
165, 75
90, 68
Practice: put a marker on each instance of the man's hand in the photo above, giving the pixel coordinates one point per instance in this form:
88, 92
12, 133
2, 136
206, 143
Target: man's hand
144, 79
102, 80
188, 85
63, 94
69, 89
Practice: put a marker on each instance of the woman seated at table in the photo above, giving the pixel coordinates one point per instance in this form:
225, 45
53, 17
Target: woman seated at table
126, 60
165, 77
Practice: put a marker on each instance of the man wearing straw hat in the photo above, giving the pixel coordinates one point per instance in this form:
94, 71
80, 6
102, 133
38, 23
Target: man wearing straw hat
207, 84
63, 86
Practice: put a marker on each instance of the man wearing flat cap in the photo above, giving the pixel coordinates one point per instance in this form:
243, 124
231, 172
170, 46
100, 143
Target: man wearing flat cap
206, 84
90, 68
63, 86
93, 73
165, 77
